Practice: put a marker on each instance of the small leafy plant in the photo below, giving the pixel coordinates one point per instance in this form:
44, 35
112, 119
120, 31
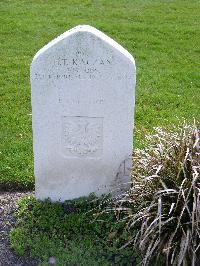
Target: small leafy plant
70, 233
164, 201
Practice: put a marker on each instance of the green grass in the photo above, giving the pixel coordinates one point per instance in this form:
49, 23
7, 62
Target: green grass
70, 233
163, 36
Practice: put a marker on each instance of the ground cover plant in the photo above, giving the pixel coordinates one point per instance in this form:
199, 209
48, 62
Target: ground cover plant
70, 233
163, 36
166, 195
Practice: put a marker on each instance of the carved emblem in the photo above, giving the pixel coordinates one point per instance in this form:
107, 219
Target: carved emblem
82, 136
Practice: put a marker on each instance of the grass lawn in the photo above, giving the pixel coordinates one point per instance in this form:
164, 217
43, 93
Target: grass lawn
163, 36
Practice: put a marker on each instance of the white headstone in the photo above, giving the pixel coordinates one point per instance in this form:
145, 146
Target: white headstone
83, 91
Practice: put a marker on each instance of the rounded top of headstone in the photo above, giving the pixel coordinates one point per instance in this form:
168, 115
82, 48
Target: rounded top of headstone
92, 31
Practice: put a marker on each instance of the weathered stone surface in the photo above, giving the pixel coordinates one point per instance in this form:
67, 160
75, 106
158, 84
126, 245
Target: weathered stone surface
83, 91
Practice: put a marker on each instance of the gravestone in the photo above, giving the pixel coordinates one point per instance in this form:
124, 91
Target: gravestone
83, 91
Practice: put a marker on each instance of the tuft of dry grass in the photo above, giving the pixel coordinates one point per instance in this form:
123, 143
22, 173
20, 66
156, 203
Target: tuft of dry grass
166, 195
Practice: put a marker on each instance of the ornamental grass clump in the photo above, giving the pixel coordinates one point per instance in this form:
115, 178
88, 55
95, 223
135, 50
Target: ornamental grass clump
164, 201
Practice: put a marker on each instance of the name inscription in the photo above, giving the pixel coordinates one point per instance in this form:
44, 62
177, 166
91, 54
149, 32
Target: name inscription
81, 62
79, 67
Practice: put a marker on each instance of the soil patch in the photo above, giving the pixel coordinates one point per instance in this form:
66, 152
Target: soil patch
8, 202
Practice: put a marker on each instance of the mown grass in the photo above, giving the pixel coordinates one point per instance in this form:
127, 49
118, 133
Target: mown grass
163, 36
